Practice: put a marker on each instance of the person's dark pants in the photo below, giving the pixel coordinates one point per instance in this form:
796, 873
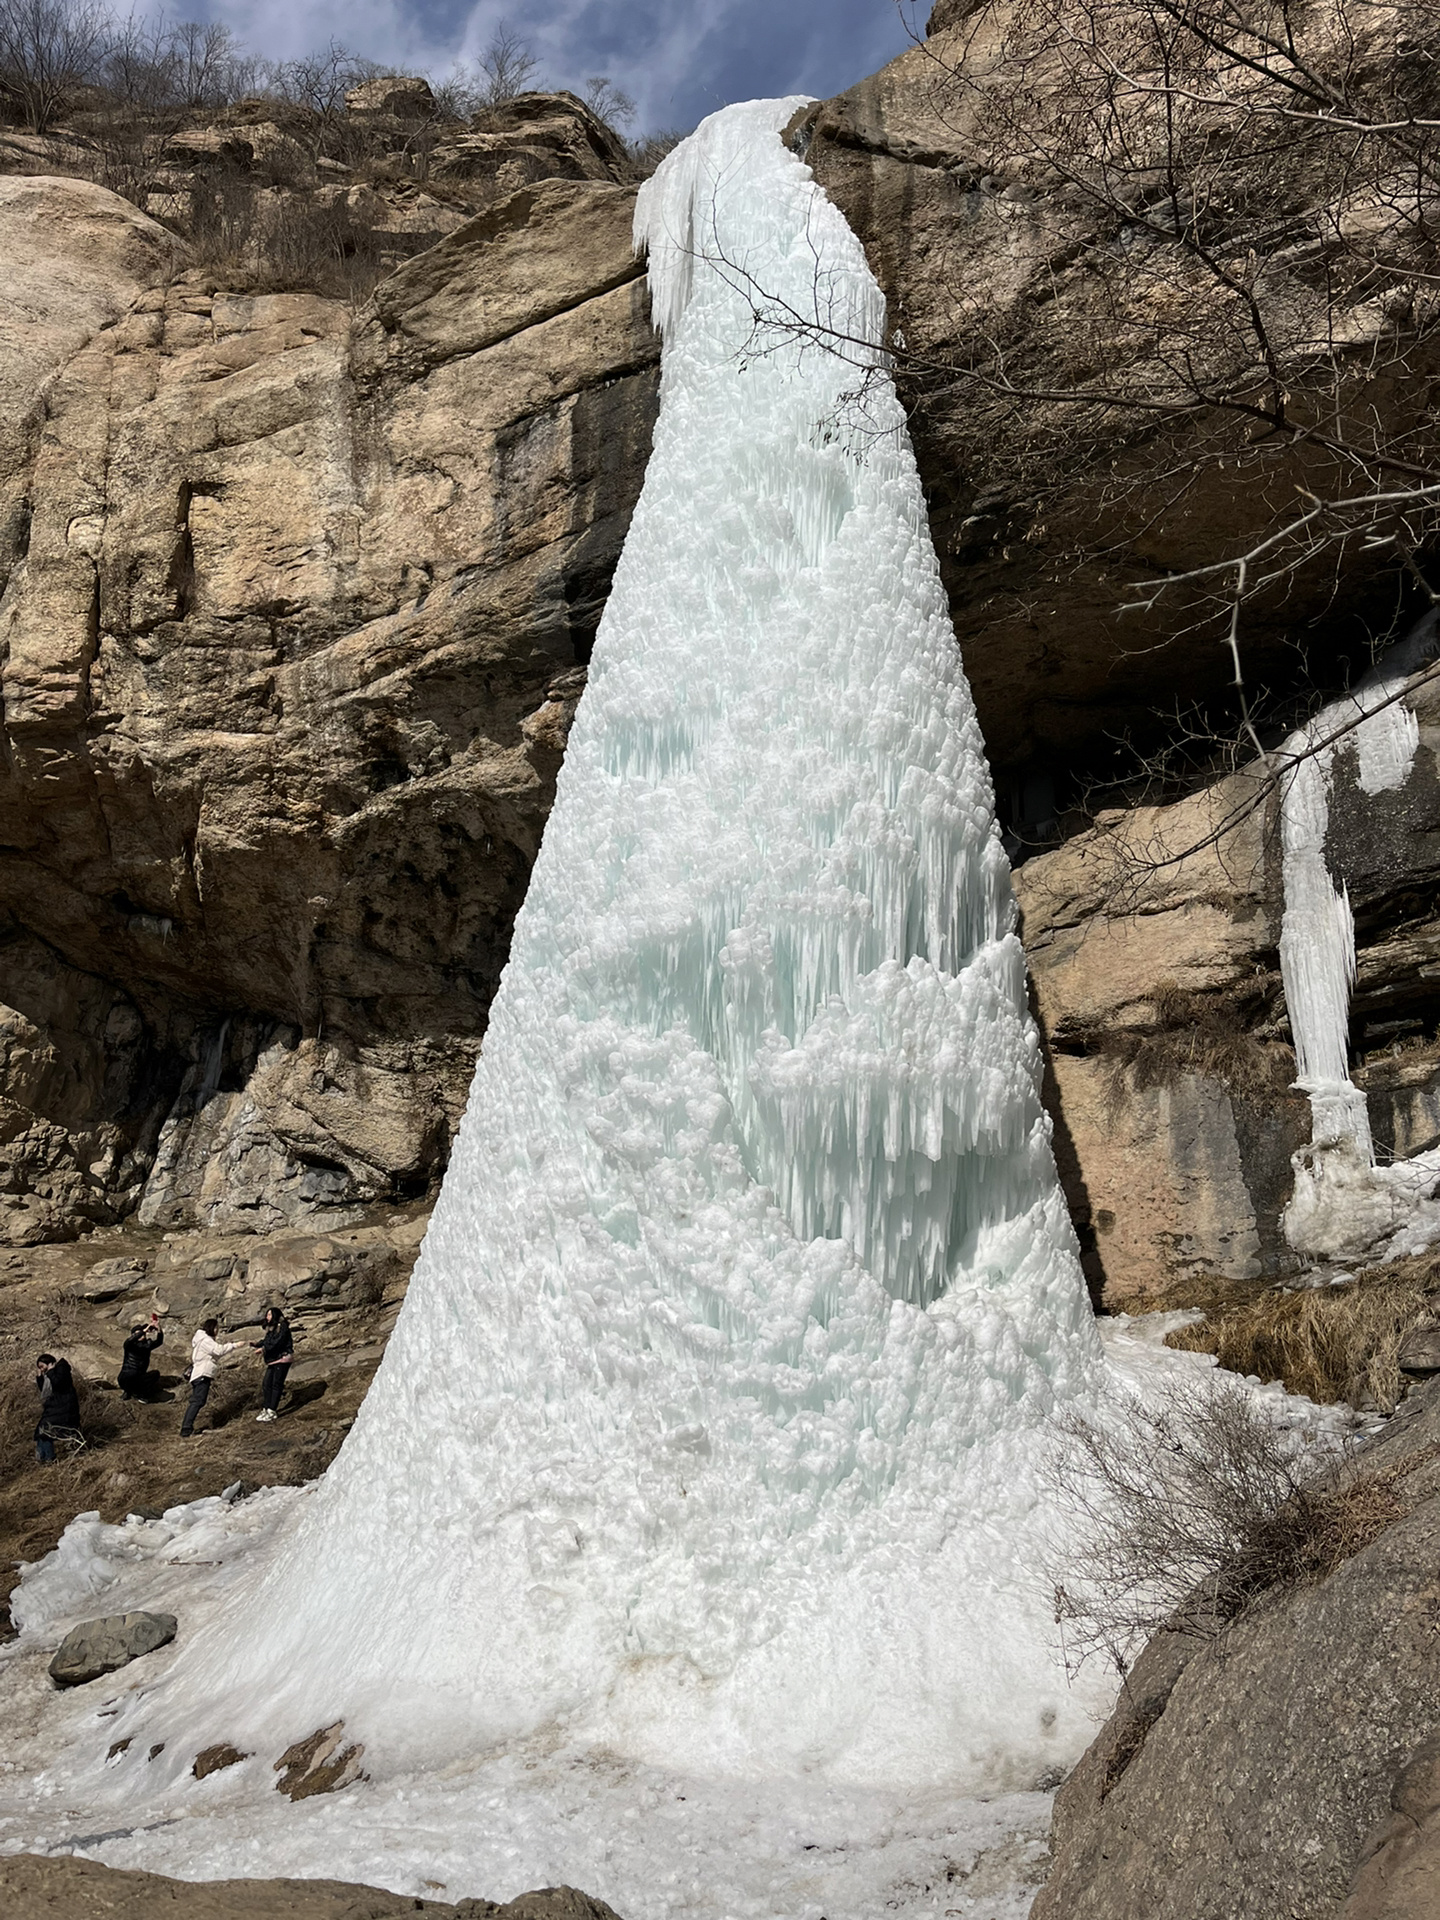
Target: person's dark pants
44, 1449
273, 1386
199, 1394
140, 1386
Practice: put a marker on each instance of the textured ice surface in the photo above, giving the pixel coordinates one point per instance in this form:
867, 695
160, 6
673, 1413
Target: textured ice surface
1344, 1206
708, 1432
658, 1843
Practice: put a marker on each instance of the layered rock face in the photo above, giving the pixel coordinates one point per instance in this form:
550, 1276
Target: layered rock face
297, 605
1153, 943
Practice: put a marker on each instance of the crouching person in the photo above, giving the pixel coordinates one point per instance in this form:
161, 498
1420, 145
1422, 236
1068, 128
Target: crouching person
135, 1380
205, 1352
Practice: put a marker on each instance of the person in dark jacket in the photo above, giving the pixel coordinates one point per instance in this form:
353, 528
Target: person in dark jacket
277, 1350
135, 1380
59, 1407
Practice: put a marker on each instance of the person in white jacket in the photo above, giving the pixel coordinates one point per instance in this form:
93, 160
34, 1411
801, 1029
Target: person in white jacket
205, 1351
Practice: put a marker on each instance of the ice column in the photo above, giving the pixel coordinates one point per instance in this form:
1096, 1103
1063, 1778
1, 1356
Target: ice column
1343, 1205
709, 1426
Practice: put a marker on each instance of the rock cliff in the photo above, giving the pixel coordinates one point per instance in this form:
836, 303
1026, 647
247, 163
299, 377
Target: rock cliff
297, 590
297, 606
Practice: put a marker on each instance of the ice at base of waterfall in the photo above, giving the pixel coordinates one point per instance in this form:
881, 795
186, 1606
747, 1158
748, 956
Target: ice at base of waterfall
658, 1843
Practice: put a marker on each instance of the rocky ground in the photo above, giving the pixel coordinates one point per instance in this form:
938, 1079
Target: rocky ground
341, 1291
74, 1889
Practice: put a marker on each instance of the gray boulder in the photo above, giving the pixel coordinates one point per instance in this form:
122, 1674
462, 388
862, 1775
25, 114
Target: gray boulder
100, 1646
1286, 1766
1420, 1349
81, 1889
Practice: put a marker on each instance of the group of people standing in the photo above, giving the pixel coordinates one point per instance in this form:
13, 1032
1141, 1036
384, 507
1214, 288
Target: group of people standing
60, 1402
276, 1349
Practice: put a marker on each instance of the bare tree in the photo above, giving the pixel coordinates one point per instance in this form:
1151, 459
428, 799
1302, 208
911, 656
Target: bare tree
211, 67
47, 48
1175, 1516
507, 67
1255, 186
607, 101
1228, 212
152, 76
319, 81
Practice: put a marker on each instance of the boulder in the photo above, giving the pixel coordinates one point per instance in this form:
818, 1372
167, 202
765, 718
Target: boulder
537, 136
1285, 1765
1399, 1873
101, 1646
1420, 1349
113, 1279
216, 1759
320, 1763
405, 96
71, 1887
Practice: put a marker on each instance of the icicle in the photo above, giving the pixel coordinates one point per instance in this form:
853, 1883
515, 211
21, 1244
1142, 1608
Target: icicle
1343, 1205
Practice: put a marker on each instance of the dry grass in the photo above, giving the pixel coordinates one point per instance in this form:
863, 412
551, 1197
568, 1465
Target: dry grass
1329, 1343
1197, 1033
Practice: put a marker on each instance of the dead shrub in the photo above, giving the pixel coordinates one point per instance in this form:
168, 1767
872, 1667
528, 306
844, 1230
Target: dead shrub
281, 242
219, 218
19, 1410
1184, 1513
1329, 1343
318, 247
235, 1392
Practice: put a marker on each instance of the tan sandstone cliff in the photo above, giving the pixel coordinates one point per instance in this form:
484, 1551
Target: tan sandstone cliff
297, 601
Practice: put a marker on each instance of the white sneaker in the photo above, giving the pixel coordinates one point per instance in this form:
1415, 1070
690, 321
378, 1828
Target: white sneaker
265, 1416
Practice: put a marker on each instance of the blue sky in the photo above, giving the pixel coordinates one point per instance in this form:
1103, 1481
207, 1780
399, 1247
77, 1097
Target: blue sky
680, 59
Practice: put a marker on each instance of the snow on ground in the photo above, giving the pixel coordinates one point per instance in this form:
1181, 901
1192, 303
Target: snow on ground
652, 1842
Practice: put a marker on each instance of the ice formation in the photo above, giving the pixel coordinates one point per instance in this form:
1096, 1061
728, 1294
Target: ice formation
1344, 1206
655, 1843
707, 1434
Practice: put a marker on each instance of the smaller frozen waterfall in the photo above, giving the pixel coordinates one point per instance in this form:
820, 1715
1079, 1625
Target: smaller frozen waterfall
708, 1431
1344, 1206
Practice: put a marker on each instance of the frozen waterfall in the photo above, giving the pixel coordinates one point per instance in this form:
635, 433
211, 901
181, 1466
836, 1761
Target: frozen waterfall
708, 1432
1344, 1206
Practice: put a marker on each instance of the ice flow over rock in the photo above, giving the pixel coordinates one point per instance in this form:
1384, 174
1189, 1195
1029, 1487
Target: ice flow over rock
708, 1430
1345, 1206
